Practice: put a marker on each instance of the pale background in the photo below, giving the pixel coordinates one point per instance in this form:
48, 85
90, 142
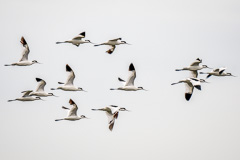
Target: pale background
165, 35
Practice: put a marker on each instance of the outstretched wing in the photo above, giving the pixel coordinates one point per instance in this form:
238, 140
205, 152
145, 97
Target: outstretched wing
132, 76
26, 93
73, 110
80, 36
196, 62
71, 75
41, 85
25, 51
189, 91
221, 70
111, 50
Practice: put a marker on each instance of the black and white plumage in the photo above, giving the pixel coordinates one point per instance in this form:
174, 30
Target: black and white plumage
77, 40
129, 84
26, 97
24, 59
112, 43
190, 84
218, 72
40, 89
72, 113
194, 66
112, 113
68, 85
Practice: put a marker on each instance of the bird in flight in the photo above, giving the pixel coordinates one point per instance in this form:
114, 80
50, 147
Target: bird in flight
129, 84
24, 59
72, 114
112, 43
26, 97
218, 72
68, 85
112, 113
77, 40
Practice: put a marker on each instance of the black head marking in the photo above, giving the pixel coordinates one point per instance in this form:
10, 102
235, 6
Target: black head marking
131, 67
68, 68
38, 79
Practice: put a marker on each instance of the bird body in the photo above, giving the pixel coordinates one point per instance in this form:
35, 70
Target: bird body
77, 40
190, 84
24, 59
72, 114
129, 84
68, 85
112, 43
40, 89
217, 72
194, 66
26, 97
112, 112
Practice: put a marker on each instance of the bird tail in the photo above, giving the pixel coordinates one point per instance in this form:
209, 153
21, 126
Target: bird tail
7, 65
58, 119
203, 73
60, 83
178, 69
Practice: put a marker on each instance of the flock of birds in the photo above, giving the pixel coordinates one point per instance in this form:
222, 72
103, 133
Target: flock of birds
112, 111
193, 81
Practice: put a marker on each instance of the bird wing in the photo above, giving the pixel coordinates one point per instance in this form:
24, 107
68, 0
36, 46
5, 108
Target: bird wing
221, 70
115, 39
25, 51
73, 110
80, 36
195, 81
132, 76
111, 124
216, 70
41, 85
26, 93
189, 91
194, 74
71, 75
196, 62
111, 50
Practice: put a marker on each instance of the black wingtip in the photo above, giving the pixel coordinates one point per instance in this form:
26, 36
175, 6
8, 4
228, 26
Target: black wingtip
208, 76
83, 34
121, 80
68, 68
71, 102
23, 41
198, 87
188, 96
131, 67
38, 79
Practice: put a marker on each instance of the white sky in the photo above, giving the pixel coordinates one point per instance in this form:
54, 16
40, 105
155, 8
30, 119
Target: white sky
166, 35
